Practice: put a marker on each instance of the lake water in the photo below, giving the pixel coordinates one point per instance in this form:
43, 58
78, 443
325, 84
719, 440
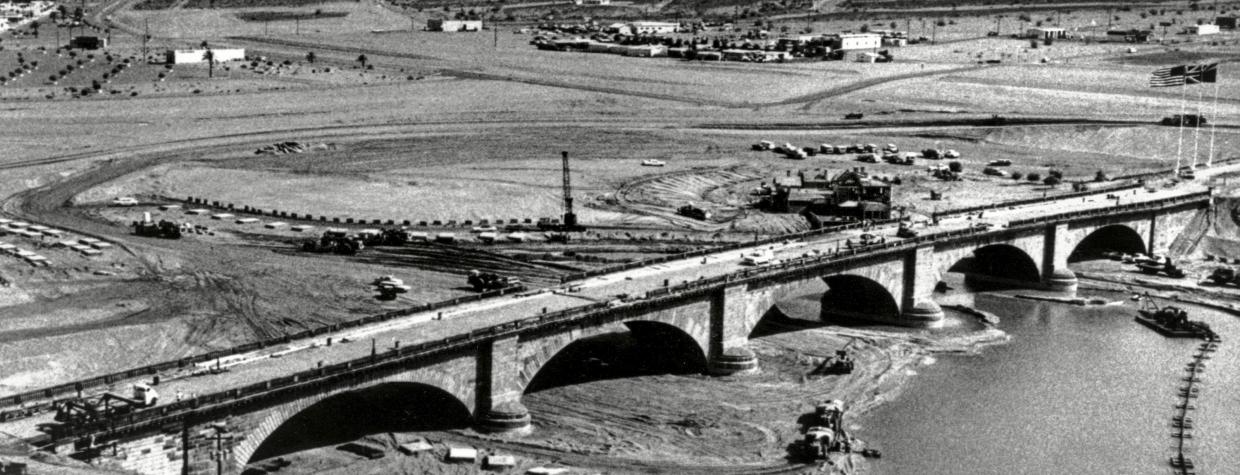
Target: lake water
1077, 390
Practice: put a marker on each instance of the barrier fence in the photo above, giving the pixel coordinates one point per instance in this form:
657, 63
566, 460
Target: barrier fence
574, 316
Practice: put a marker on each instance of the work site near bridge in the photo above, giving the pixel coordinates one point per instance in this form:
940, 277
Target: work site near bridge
571, 238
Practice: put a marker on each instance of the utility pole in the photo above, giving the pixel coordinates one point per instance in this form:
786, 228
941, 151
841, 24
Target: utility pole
934, 33
495, 42
146, 34
297, 25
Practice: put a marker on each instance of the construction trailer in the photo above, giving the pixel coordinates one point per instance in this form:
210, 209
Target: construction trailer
439, 24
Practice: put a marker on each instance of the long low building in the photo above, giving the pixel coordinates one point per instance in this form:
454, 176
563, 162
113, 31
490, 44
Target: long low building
191, 56
439, 24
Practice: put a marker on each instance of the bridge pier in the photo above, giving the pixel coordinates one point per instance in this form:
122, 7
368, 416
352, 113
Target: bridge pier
735, 360
733, 311
1057, 246
920, 277
498, 409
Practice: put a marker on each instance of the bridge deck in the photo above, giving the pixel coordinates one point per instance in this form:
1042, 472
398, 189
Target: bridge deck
260, 365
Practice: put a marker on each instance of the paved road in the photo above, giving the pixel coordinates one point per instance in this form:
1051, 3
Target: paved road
261, 365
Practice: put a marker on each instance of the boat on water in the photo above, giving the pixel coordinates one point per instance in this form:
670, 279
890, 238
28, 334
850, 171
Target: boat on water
1172, 321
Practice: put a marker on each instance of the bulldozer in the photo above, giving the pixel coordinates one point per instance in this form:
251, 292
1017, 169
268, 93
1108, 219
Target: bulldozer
485, 281
335, 241
841, 363
163, 229
1224, 276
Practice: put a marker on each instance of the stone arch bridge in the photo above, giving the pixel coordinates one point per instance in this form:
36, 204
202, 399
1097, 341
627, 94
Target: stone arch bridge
486, 372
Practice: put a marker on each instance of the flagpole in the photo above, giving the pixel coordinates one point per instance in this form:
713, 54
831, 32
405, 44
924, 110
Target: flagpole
1214, 115
1197, 128
1179, 149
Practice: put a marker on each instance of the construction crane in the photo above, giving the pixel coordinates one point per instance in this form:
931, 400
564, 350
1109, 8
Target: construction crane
570, 218
569, 222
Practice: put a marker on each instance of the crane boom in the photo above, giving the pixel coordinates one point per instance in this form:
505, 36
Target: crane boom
570, 218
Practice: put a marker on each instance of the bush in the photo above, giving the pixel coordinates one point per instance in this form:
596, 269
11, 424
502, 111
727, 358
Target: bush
1052, 180
955, 167
1017, 175
1034, 177
1055, 173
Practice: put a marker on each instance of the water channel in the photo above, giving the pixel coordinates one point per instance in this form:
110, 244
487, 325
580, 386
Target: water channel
1080, 390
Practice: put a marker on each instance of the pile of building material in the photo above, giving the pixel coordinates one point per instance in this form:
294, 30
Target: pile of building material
289, 147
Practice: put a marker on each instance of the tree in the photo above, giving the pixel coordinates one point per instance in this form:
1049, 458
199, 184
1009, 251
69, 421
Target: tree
34, 28
310, 57
1055, 173
210, 57
956, 167
1017, 175
362, 59
1052, 180
1034, 177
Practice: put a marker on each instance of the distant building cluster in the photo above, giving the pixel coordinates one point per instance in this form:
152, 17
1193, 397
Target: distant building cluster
14, 15
657, 39
849, 195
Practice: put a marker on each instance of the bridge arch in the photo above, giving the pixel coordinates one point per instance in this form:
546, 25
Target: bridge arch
1114, 237
611, 351
996, 263
447, 386
852, 296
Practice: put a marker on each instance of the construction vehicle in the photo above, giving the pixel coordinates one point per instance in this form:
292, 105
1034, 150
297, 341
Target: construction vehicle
760, 257
906, 231
1224, 276
569, 223
841, 363
163, 229
1187, 120
1171, 321
763, 146
335, 241
484, 281
80, 411
867, 158
690, 211
1166, 267
826, 434
999, 163
389, 287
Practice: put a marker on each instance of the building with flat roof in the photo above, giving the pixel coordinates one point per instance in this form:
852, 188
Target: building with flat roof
1226, 22
190, 56
855, 41
1046, 33
1206, 29
439, 24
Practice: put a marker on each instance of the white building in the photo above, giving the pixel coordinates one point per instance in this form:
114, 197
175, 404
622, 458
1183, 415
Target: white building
1046, 33
189, 56
438, 24
653, 27
1201, 29
853, 41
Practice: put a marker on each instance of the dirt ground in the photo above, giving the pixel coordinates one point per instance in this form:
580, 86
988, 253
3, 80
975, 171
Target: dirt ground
455, 127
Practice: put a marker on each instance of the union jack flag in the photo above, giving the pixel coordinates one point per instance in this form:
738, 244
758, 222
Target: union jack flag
1184, 75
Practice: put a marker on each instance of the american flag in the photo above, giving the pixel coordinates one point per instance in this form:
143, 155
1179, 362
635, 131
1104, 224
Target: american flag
1182, 75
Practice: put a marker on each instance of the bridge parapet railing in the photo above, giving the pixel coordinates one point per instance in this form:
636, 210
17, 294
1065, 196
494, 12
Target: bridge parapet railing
1029, 201
1146, 205
43, 399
